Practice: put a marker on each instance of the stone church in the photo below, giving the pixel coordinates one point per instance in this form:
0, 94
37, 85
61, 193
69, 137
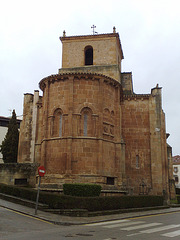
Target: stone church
90, 127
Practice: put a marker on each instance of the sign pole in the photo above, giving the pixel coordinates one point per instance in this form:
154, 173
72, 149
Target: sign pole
41, 172
37, 198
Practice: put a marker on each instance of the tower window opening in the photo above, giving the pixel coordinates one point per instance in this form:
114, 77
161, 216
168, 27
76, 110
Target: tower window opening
89, 55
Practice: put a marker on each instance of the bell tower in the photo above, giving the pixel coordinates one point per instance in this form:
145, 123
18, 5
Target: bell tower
97, 53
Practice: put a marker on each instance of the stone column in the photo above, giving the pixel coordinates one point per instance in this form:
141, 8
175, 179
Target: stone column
45, 122
155, 111
100, 129
25, 136
34, 125
70, 125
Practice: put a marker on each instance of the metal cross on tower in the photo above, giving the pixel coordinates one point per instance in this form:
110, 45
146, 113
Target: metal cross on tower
93, 26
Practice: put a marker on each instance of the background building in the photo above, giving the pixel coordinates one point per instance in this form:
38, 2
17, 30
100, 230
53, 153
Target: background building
176, 170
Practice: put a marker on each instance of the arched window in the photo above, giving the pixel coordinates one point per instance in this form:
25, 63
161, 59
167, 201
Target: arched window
57, 126
86, 122
60, 125
137, 161
88, 51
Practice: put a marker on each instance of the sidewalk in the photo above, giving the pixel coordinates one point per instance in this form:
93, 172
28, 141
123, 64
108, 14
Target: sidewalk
66, 220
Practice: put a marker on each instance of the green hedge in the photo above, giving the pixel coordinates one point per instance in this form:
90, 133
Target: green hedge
82, 189
26, 193
60, 201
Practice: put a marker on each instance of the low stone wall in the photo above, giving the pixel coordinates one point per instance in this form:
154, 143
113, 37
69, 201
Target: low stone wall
18, 173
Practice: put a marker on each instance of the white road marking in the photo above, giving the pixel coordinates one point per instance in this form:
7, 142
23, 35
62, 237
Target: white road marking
153, 230
172, 234
127, 225
134, 234
123, 224
141, 226
106, 223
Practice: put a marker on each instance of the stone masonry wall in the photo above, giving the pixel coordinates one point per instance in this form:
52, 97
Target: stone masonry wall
136, 132
18, 174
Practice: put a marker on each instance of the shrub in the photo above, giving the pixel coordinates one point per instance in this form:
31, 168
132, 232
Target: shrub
81, 189
9, 147
60, 201
21, 192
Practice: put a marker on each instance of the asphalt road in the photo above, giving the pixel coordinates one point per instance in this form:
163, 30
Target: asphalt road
17, 226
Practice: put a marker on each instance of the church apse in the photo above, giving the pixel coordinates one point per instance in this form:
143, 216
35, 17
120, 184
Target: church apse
75, 141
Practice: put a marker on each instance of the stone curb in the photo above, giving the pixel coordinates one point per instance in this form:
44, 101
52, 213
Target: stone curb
122, 214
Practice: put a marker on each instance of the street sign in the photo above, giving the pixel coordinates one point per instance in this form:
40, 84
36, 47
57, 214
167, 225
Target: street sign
41, 171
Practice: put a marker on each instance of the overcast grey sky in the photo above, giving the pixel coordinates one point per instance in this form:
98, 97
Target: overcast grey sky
149, 30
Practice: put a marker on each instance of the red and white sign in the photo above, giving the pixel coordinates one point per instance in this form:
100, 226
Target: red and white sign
41, 171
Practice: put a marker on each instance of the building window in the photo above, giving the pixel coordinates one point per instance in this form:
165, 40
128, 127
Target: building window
175, 169
60, 125
137, 161
88, 55
176, 179
20, 181
58, 122
110, 180
85, 124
